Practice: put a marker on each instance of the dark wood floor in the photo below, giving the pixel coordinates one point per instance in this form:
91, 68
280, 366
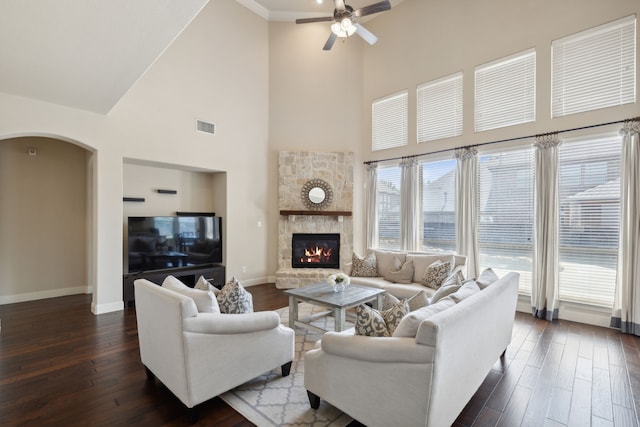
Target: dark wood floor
62, 366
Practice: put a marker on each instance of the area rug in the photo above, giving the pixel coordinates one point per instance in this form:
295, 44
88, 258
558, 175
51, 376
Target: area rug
273, 400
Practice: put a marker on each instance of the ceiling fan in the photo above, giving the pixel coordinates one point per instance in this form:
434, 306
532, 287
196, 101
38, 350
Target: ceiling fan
345, 21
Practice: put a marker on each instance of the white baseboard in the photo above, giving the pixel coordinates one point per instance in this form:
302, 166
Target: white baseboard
107, 308
33, 296
257, 281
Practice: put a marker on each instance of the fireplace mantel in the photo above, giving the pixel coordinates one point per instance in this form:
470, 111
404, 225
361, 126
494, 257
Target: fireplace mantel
317, 213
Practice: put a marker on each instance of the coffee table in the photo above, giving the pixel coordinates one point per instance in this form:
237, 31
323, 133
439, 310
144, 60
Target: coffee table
337, 302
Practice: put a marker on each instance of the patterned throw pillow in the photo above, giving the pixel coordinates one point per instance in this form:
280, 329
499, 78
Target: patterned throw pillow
364, 267
435, 274
373, 323
234, 299
419, 300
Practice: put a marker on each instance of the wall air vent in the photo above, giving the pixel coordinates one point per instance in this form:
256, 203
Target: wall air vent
206, 127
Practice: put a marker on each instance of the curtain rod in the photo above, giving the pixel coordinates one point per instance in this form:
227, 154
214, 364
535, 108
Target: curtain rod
502, 140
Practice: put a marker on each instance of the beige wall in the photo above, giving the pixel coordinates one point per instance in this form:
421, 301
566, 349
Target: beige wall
43, 211
458, 35
212, 72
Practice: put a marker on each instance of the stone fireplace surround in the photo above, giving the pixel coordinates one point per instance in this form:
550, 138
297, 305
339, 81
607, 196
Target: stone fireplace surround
295, 169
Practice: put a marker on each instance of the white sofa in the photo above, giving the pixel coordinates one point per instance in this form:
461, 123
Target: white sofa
421, 381
421, 260
201, 355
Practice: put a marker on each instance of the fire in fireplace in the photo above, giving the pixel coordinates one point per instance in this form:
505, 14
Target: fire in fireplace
315, 250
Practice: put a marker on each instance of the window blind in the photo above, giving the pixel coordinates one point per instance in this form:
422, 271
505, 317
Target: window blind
589, 191
389, 116
439, 108
505, 215
505, 91
388, 199
439, 205
594, 68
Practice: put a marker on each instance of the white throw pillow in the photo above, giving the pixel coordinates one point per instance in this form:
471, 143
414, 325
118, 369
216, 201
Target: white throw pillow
422, 261
204, 285
205, 300
387, 259
449, 286
399, 272
465, 291
409, 324
419, 300
487, 277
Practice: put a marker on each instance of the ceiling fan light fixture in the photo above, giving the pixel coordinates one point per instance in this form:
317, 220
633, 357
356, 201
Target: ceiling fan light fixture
344, 28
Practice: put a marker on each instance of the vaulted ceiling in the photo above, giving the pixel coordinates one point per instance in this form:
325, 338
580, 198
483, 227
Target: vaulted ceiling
86, 54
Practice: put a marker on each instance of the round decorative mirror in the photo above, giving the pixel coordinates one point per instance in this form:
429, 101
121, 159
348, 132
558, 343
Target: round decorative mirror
316, 194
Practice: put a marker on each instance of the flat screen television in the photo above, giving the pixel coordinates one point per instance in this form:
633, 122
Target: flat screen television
162, 242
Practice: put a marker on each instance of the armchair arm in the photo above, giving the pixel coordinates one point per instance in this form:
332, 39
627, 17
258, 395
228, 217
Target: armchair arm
214, 323
376, 349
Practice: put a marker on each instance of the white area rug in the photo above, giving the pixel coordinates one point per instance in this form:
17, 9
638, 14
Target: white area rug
271, 400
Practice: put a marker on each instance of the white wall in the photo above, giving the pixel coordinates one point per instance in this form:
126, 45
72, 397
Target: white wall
213, 72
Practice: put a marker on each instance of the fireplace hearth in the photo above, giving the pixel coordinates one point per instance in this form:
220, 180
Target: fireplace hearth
315, 250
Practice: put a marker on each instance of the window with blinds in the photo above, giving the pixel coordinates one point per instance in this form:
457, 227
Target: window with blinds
388, 199
505, 92
439, 108
439, 205
589, 191
594, 68
389, 116
506, 212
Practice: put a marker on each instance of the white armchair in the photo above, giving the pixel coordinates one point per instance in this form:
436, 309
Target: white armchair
201, 355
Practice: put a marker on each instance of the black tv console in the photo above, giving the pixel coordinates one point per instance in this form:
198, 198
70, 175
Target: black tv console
188, 275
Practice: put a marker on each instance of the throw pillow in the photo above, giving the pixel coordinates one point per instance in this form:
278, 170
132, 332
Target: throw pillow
465, 291
487, 277
419, 300
204, 285
205, 300
422, 261
399, 272
410, 323
364, 267
449, 286
373, 323
435, 274
386, 259
234, 299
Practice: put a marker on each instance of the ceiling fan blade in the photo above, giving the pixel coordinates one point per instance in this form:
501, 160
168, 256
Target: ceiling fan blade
330, 41
309, 20
373, 8
340, 6
367, 35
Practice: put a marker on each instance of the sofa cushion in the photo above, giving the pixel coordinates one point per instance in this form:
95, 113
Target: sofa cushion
435, 274
205, 300
409, 324
449, 286
399, 272
417, 301
364, 267
373, 323
487, 277
465, 291
422, 261
387, 259
234, 299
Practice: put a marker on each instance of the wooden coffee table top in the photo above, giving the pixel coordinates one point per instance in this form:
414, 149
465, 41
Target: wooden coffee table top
324, 294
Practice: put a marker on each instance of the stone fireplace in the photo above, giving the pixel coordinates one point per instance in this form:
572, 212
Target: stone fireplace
295, 169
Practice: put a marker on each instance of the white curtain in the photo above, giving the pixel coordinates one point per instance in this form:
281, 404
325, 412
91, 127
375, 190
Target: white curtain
410, 209
371, 206
467, 207
544, 286
626, 306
